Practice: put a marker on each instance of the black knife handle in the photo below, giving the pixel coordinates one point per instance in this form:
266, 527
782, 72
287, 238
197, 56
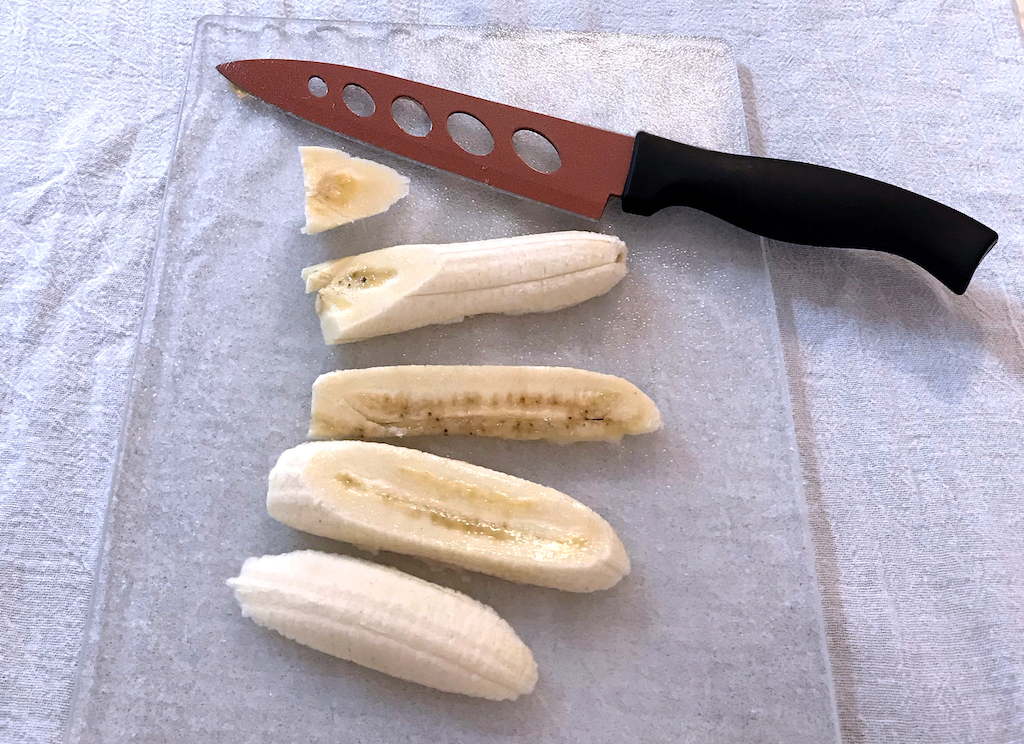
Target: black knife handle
807, 204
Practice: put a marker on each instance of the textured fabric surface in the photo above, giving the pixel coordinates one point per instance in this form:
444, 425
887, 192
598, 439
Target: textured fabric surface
909, 402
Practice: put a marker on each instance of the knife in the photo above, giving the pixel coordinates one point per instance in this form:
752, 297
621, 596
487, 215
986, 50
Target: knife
779, 199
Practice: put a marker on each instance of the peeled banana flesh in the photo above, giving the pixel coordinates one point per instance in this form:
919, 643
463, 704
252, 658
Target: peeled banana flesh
382, 497
555, 403
410, 286
386, 620
341, 188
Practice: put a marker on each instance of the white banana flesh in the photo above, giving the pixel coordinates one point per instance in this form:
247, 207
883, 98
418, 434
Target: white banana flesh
341, 188
555, 403
411, 286
382, 497
386, 620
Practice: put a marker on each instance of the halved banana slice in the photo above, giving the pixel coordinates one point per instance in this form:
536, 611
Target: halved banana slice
382, 497
411, 286
341, 188
386, 620
556, 403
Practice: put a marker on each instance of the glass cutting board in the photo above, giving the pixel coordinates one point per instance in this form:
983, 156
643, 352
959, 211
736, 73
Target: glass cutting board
716, 636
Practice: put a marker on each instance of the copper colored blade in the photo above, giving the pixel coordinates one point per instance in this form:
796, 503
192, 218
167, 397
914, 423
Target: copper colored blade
594, 166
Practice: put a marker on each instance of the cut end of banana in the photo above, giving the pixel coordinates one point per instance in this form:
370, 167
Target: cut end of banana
386, 620
555, 403
382, 497
342, 189
356, 295
411, 286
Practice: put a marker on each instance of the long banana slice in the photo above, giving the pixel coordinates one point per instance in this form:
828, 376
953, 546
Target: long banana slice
341, 188
410, 286
556, 403
382, 497
384, 619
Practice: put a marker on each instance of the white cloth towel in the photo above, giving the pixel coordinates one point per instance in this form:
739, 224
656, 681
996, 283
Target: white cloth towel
909, 402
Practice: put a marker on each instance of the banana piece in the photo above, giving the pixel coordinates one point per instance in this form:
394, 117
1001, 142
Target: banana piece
342, 189
386, 620
557, 403
411, 286
382, 497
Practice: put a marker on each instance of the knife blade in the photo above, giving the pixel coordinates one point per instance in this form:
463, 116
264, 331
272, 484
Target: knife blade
780, 199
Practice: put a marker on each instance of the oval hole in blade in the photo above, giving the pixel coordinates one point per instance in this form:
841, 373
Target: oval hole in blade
471, 134
410, 115
358, 100
536, 150
317, 86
